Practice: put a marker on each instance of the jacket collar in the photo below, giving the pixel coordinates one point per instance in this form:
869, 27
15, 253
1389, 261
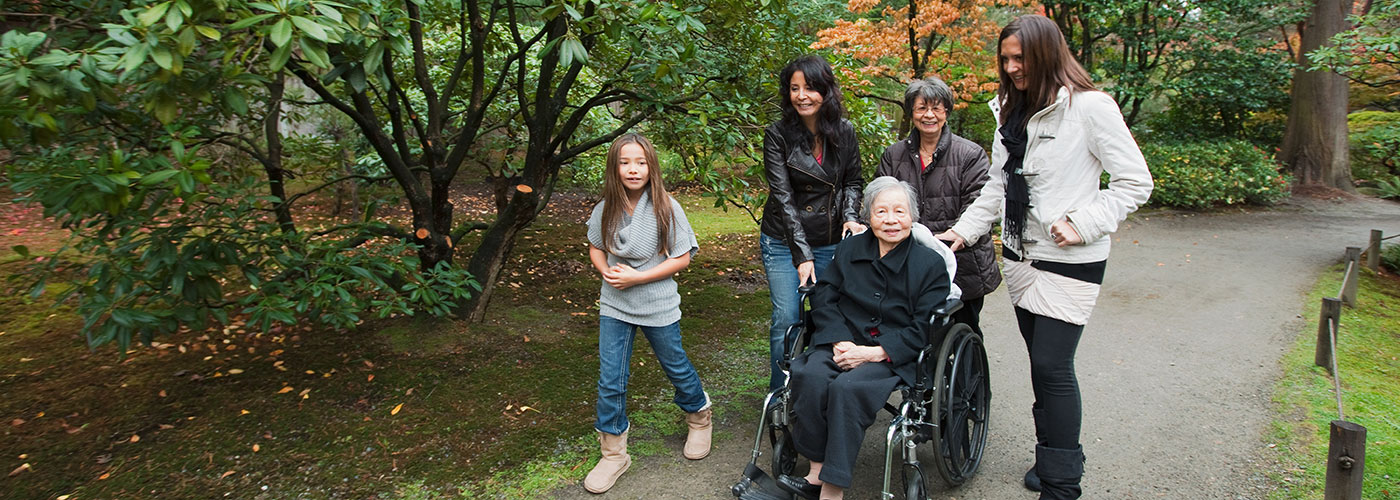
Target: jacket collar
868, 249
944, 139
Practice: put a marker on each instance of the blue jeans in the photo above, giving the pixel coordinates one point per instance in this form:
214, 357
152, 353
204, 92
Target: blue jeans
782, 289
614, 367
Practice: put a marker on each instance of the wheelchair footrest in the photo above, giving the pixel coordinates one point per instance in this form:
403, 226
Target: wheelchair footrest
758, 485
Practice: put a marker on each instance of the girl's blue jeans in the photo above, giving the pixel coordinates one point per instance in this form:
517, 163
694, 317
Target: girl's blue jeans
614, 367
782, 289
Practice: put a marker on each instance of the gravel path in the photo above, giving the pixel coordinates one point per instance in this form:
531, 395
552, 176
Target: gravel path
1177, 365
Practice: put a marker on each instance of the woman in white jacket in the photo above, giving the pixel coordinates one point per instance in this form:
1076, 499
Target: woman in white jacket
1057, 134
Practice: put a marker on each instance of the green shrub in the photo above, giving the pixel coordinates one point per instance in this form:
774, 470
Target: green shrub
1390, 257
1375, 145
1210, 173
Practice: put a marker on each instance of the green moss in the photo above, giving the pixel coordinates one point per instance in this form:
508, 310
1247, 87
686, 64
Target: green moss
1368, 341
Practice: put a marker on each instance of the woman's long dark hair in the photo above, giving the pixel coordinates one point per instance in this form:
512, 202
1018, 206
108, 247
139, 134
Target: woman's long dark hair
820, 78
615, 194
1047, 64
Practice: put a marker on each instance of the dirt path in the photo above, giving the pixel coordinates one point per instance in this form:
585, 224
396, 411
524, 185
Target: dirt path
1177, 364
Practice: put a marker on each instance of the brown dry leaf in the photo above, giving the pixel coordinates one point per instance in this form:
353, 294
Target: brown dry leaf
527, 338
104, 476
256, 448
396, 409
183, 349
19, 421
286, 389
304, 393
244, 412
166, 427
371, 378
409, 392
369, 365
235, 371
226, 474
20, 469
135, 437
310, 372
162, 393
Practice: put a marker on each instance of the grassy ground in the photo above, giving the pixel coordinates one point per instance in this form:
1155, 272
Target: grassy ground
1368, 346
403, 408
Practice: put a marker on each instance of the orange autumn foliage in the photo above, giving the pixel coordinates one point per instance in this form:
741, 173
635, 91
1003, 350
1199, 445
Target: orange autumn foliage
953, 40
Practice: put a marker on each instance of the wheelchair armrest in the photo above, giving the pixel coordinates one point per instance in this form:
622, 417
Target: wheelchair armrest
948, 308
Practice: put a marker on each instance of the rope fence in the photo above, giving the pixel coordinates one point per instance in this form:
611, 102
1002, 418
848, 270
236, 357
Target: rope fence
1346, 448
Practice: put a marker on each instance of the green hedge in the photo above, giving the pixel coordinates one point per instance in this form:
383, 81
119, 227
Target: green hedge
1211, 173
1375, 145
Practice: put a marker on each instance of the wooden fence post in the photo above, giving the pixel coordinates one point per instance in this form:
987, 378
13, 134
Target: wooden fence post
1346, 461
1373, 251
1331, 315
1353, 275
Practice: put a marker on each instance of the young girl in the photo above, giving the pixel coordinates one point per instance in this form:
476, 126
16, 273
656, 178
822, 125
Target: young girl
638, 238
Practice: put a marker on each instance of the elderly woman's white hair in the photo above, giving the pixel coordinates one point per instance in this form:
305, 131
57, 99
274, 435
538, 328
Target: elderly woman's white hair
886, 183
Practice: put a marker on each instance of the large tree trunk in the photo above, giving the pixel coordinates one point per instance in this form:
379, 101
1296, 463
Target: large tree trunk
1315, 140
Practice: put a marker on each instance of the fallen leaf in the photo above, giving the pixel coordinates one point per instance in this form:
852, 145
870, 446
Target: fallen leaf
135, 437
371, 378
527, 338
286, 389
20, 469
244, 412
369, 365
256, 448
104, 476
162, 393
396, 409
226, 474
166, 427
409, 392
235, 371
17, 422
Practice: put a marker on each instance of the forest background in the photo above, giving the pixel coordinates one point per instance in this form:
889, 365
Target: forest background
219, 165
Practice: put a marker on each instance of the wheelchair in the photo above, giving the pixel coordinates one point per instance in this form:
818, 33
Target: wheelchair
940, 423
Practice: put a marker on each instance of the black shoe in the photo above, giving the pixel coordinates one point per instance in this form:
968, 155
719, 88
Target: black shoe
1031, 481
799, 486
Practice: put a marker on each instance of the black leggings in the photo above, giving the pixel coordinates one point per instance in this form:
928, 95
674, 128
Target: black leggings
1051, 344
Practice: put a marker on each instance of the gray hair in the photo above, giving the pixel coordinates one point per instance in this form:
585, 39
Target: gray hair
932, 90
886, 183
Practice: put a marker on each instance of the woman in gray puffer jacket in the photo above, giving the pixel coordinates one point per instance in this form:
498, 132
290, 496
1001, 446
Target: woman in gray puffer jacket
948, 172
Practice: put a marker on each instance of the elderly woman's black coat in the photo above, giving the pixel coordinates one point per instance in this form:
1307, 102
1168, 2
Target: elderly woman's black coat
891, 296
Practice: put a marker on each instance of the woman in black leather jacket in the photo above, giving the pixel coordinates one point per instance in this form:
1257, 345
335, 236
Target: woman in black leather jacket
812, 162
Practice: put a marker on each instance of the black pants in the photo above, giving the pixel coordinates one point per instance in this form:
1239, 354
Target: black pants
834, 408
969, 314
1051, 344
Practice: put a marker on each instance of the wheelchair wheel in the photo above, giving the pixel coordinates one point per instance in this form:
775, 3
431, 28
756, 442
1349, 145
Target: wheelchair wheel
780, 439
914, 488
962, 397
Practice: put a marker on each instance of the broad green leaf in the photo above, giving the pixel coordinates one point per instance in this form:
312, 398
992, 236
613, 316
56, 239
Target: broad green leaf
208, 32
153, 14
281, 33
327, 10
162, 57
22, 250
174, 18
236, 101
315, 52
280, 57
249, 21
310, 27
154, 178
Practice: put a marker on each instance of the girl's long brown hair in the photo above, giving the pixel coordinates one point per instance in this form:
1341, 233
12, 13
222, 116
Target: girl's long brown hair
1047, 64
615, 194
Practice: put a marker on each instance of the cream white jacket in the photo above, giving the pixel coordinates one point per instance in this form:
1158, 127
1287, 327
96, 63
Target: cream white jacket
1071, 143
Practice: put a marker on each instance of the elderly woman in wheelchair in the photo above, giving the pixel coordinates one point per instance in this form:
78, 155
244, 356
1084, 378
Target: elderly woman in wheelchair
867, 311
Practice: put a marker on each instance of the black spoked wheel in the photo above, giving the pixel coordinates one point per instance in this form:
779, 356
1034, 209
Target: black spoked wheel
914, 488
784, 456
962, 400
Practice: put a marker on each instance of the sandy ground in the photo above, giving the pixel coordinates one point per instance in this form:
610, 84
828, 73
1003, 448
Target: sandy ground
1176, 366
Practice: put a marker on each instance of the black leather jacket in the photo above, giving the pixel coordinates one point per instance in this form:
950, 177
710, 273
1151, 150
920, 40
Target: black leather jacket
808, 202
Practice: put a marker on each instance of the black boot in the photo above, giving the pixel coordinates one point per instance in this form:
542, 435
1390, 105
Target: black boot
1032, 481
1059, 470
